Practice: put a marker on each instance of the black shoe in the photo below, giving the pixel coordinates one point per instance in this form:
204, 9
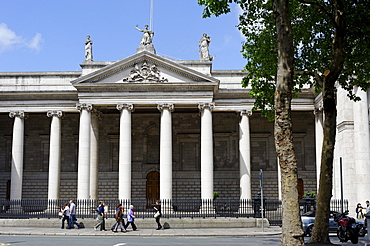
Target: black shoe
160, 227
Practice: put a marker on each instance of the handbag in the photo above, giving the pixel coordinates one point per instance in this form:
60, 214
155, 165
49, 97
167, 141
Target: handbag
60, 213
156, 215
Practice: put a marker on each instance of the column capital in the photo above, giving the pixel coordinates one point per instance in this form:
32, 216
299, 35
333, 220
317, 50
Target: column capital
202, 106
162, 106
20, 114
57, 113
82, 106
129, 106
246, 112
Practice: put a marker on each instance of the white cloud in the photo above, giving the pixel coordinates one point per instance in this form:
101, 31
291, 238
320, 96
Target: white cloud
10, 40
36, 42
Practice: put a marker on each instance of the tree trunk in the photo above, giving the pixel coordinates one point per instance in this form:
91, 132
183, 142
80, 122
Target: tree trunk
292, 233
321, 229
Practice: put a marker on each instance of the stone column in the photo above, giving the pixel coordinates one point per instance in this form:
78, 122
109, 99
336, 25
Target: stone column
17, 155
83, 187
165, 156
362, 146
245, 155
94, 153
55, 154
124, 190
206, 151
319, 137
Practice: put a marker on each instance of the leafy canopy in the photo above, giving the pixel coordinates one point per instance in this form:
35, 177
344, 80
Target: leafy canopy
313, 32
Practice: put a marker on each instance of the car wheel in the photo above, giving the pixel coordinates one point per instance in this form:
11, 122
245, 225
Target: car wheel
309, 231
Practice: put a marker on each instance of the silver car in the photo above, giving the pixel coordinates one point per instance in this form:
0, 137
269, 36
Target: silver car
308, 220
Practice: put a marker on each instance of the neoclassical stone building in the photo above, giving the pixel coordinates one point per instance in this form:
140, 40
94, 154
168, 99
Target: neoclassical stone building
147, 126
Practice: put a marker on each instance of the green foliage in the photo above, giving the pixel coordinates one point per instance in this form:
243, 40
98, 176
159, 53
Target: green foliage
310, 194
313, 33
215, 195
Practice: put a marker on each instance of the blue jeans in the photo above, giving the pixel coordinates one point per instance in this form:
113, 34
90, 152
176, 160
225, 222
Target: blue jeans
72, 221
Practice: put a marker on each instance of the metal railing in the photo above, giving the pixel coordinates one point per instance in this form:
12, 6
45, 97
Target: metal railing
175, 208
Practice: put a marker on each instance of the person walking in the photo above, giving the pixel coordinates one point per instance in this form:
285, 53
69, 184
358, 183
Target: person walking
131, 218
115, 216
119, 220
72, 216
65, 216
100, 211
158, 214
367, 206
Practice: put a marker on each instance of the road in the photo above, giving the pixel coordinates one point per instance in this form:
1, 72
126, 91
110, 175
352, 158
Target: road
19, 240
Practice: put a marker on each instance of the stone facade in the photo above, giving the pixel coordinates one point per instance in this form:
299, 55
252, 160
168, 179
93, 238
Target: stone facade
151, 127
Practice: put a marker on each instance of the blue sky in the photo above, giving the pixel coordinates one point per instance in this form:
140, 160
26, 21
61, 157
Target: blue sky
45, 35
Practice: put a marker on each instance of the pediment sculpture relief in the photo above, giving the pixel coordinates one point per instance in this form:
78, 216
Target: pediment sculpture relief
145, 73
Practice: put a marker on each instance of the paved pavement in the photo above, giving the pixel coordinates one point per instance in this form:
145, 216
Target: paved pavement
193, 232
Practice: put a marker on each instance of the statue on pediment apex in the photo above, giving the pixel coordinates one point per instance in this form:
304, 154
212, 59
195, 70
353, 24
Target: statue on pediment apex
146, 43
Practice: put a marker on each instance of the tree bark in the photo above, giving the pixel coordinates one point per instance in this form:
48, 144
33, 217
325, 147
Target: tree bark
292, 233
321, 229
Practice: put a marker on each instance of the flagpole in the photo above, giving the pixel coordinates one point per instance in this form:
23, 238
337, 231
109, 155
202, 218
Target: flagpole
151, 15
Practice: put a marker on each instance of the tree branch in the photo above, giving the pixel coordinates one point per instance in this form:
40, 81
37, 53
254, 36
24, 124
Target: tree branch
322, 8
311, 73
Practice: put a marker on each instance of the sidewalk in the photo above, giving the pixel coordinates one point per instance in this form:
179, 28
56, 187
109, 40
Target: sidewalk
178, 232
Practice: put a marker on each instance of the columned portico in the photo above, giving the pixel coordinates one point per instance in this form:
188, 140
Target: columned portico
83, 186
165, 156
206, 151
245, 155
124, 190
17, 155
55, 153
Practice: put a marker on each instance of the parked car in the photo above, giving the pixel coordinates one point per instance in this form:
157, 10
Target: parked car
308, 220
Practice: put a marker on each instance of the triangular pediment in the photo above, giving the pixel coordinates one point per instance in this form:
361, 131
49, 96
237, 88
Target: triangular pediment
144, 68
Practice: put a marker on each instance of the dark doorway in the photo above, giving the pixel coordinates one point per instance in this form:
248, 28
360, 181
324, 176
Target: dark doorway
152, 188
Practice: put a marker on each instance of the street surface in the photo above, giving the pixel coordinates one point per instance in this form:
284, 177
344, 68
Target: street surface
20, 240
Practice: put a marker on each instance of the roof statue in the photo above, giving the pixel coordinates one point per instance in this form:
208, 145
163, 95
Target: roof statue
88, 49
146, 40
204, 48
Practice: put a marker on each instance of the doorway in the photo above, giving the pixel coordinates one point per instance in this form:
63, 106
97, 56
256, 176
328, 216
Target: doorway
152, 188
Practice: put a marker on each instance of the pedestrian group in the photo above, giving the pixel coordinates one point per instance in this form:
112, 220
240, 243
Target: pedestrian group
68, 215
